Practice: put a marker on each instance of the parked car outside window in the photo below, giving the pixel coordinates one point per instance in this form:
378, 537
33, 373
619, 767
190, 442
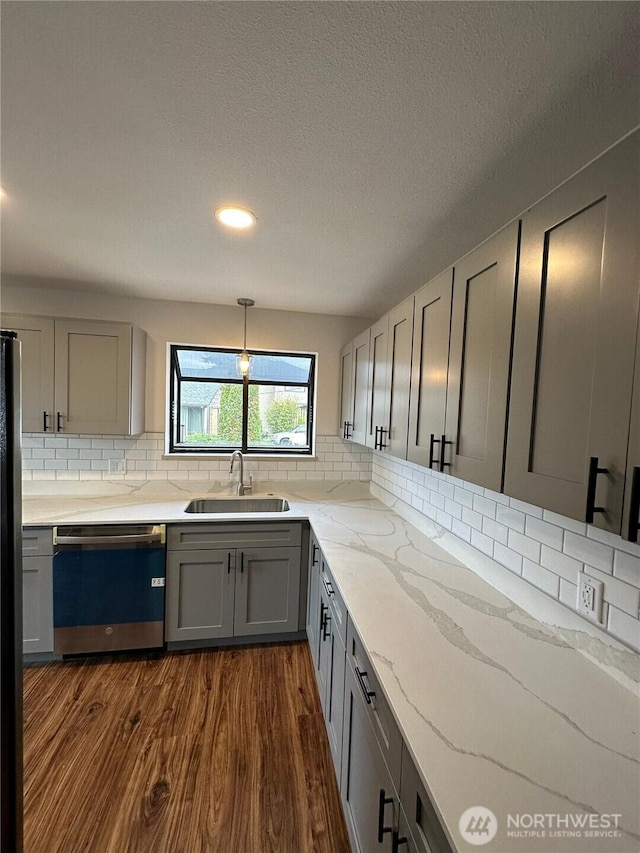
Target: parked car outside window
297, 436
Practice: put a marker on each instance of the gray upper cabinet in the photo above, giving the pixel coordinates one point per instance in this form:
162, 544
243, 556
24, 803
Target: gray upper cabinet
390, 381
479, 361
574, 343
429, 371
631, 520
354, 388
81, 376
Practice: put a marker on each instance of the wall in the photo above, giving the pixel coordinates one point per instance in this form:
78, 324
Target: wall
542, 548
86, 458
196, 323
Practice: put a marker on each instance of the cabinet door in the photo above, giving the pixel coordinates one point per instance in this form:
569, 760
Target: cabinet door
399, 361
267, 591
37, 604
200, 595
36, 337
324, 651
479, 360
360, 384
378, 407
418, 814
429, 369
631, 520
92, 377
368, 796
334, 702
575, 339
313, 599
346, 391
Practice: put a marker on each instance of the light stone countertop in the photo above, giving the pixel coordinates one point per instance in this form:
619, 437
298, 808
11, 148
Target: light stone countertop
498, 710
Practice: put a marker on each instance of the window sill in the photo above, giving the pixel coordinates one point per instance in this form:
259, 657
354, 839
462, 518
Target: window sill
248, 457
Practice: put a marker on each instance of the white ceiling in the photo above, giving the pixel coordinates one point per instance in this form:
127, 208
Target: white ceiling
376, 142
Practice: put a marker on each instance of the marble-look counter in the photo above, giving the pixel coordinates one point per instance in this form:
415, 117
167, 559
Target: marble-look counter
497, 709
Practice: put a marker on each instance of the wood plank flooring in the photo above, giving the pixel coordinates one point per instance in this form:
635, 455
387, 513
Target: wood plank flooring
185, 752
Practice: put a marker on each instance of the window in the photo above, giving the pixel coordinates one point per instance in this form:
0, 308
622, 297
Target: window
212, 408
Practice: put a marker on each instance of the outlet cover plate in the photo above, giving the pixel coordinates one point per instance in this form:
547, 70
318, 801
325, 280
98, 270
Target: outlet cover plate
117, 466
590, 594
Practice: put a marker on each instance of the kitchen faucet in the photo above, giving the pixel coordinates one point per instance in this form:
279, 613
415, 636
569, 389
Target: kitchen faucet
242, 489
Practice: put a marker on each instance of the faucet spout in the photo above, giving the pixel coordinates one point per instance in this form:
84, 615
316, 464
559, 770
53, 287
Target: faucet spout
241, 488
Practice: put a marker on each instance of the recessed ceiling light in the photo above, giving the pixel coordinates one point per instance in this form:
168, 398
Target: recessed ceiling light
3, 193
235, 217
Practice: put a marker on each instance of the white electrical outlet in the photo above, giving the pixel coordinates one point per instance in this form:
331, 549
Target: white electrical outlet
590, 593
117, 466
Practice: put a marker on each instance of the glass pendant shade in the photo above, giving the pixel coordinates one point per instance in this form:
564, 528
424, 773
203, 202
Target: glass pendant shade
244, 360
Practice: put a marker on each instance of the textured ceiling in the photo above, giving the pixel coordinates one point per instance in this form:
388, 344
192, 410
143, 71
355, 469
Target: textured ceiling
376, 142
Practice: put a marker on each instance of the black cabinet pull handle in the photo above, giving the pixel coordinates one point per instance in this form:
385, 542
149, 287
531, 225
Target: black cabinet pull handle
360, 675
326, 633
59, 421
45, 425
314, 551
329, 587
376, 439
382, 829
346, 433
432, 442
634, 506
323, 617
594, 470
397, 841
443, 443
241, 562
229, 563
381, 443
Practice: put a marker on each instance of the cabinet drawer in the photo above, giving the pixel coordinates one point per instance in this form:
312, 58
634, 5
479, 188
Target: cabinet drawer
382, 721
422, 819
336, 602
270, 534
37, 541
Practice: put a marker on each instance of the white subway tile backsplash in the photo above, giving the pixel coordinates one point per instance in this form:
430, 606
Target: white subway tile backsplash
461, 529
589, 551
624, 627
560, 564
102, 443
482, 543
472, 518
41, 453
484, 506
528, 509
55, 442
508, 558
454, 509
562, 521
90, 454
498, 532
618, 593
541, 577
627, 568
544, 532
444, 519
568, 593
513, 518
446, 489
463, 496
529, 548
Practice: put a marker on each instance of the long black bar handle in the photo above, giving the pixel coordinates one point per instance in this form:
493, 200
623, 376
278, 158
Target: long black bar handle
381, 444
432, 443
45, 418
382, 802
58, 421
634, 506
594, 470
443, 444
324, 610
376, 438
368, 694
241, 562
346, 432
314, 552
228, 562
326, 632
397, 841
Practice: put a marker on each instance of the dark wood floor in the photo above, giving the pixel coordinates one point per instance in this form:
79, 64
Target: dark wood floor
214, 750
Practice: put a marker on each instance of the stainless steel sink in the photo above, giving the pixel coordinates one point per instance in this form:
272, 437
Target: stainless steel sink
244, 504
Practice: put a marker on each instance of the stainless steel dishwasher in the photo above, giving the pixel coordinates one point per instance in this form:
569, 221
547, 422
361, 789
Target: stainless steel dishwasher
108, 587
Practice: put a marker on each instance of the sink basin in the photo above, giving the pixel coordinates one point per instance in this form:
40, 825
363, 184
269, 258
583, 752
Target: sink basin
248, 504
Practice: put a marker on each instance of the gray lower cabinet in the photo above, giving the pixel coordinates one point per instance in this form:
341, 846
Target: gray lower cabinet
313, 600
37, 590
331, 669
369, 798
247, 587
419, 821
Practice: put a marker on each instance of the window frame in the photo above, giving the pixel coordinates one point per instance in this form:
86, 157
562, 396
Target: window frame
177, 449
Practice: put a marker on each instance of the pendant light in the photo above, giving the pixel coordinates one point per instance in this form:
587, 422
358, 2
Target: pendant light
244, 360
